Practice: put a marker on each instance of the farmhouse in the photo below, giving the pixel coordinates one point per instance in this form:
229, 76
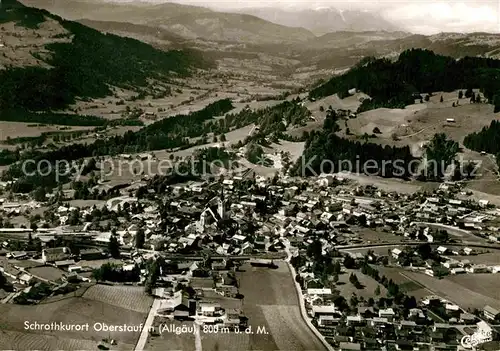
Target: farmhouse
324, 310
490, 312
387, 313
25, 278
396, 253
17, 255
324, 291
328, 320
477, 268
55, 254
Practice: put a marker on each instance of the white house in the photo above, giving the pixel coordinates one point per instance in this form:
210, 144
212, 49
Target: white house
396, 252
324, 291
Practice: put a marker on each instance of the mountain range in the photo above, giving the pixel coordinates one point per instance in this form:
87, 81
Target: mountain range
325, 20
190, 22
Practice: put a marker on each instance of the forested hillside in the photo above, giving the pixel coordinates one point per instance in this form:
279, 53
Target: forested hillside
325, 152
84, 67
168, 133
392, 84
488, 140
180, 131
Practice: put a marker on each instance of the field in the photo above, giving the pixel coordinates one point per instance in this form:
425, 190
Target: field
20, 129
371, 236
27, 264
171, 341
419, 122
369, 285
270, 301
127, 297
407, 187
466, 294
47, 272
71, 311
408, 285
484, 284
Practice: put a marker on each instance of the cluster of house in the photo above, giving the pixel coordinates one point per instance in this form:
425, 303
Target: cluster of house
61, 258
204, 302
368, 327
446, 263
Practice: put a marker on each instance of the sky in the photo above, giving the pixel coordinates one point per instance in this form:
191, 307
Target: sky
417, 16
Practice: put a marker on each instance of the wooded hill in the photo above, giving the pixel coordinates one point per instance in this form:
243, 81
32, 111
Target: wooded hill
84, 67
487, 140
392, 84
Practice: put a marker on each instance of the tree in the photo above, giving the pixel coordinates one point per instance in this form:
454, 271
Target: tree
140, 238
354, 301
40, 194
337, 269
335, 278
223, 137
349, 262
468, 93
427, 97
440, 153
441, 99
496, 103
114, 247
472, 98
377, 290
314, 250
460, 94
376, 130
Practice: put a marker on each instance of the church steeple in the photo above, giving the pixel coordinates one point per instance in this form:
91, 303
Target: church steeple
221, 205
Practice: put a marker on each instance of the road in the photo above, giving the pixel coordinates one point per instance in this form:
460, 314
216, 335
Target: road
414, 243
303, 311
197, 337
141, 343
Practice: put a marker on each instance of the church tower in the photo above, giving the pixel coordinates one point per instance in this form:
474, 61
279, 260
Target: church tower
221, 206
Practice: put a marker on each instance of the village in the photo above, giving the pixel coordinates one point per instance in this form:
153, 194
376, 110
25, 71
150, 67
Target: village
344, 245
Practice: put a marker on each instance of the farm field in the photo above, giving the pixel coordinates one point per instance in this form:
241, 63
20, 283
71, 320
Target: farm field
384, 184
273, 304
13, 340
20, 263
171, 341
347, 289
21, 129
408, 285
484, 284
72, 310
47, 272
129, 297
464, 296
371, 236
